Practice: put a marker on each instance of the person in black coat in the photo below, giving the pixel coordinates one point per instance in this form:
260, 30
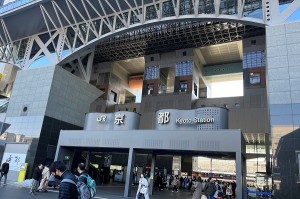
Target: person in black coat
4, 171
83, 175
36, 177
67, 190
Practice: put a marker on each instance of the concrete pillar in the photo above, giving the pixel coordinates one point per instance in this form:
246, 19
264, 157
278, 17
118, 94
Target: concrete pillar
87, 160
129, 173
240, 162
152, 173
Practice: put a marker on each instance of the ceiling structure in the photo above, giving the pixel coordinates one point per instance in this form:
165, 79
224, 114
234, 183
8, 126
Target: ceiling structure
173, 36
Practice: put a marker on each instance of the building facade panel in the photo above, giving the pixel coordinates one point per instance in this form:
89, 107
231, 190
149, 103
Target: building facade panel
277, 62
278, 73
285, 129
277, 86
294, 71
277, 40
280, 97
281, 109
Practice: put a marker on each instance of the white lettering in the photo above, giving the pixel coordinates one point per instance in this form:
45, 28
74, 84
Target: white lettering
119, 119
102, 118
196, 120
163, 118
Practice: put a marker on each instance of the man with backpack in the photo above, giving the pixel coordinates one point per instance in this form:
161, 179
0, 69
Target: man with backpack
68, 185
82, 174
87, 180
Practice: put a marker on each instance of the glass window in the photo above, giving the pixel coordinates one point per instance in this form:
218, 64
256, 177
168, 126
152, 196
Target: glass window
151, 72
184, 68
168, 9
150, 88
206, 7
254, 59
254, 78
151, 12
114, 96
195, 89
183, 85
186, 7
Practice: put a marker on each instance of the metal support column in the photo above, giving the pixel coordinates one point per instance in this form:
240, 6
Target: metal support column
240, 162
87, 160
152, 173
129, 173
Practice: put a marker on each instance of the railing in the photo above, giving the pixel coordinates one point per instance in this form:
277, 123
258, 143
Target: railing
13, 5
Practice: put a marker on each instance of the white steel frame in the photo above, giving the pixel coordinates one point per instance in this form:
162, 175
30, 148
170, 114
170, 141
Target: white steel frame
9, 50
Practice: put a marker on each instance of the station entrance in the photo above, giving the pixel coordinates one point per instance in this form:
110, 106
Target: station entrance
135, 152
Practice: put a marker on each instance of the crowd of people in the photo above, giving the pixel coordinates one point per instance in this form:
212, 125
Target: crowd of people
209, 187
45, 176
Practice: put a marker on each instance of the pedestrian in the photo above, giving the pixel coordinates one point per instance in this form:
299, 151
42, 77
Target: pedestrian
175, 183
82, 174
52, 181
67, 189
45, 179
142, 191
36, 177
198, 189
233, 184
229, 191
4, 171
210, 189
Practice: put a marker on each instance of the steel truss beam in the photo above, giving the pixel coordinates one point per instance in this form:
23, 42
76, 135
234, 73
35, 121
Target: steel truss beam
96, 20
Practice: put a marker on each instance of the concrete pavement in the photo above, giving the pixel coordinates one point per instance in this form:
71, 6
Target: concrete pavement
114, 191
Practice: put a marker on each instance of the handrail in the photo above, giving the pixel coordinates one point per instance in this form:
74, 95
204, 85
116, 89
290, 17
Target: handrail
13, 5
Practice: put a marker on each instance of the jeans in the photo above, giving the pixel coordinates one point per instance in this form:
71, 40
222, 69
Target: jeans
34, 186
5, 177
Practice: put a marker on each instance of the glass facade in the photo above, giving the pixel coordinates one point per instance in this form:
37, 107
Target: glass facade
254, 59
186, 7
206, 7
151, 12
184, 68
253, 8
168, 9
151, 72
228, 7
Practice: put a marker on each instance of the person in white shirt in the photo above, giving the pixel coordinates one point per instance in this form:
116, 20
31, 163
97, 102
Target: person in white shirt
45, 179
143, 188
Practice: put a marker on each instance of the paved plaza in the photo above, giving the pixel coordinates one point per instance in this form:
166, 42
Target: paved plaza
12, 191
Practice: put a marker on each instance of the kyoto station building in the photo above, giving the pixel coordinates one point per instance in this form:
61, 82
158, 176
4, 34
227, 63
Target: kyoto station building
204, 88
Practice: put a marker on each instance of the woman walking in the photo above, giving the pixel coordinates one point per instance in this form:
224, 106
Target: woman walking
198, 189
